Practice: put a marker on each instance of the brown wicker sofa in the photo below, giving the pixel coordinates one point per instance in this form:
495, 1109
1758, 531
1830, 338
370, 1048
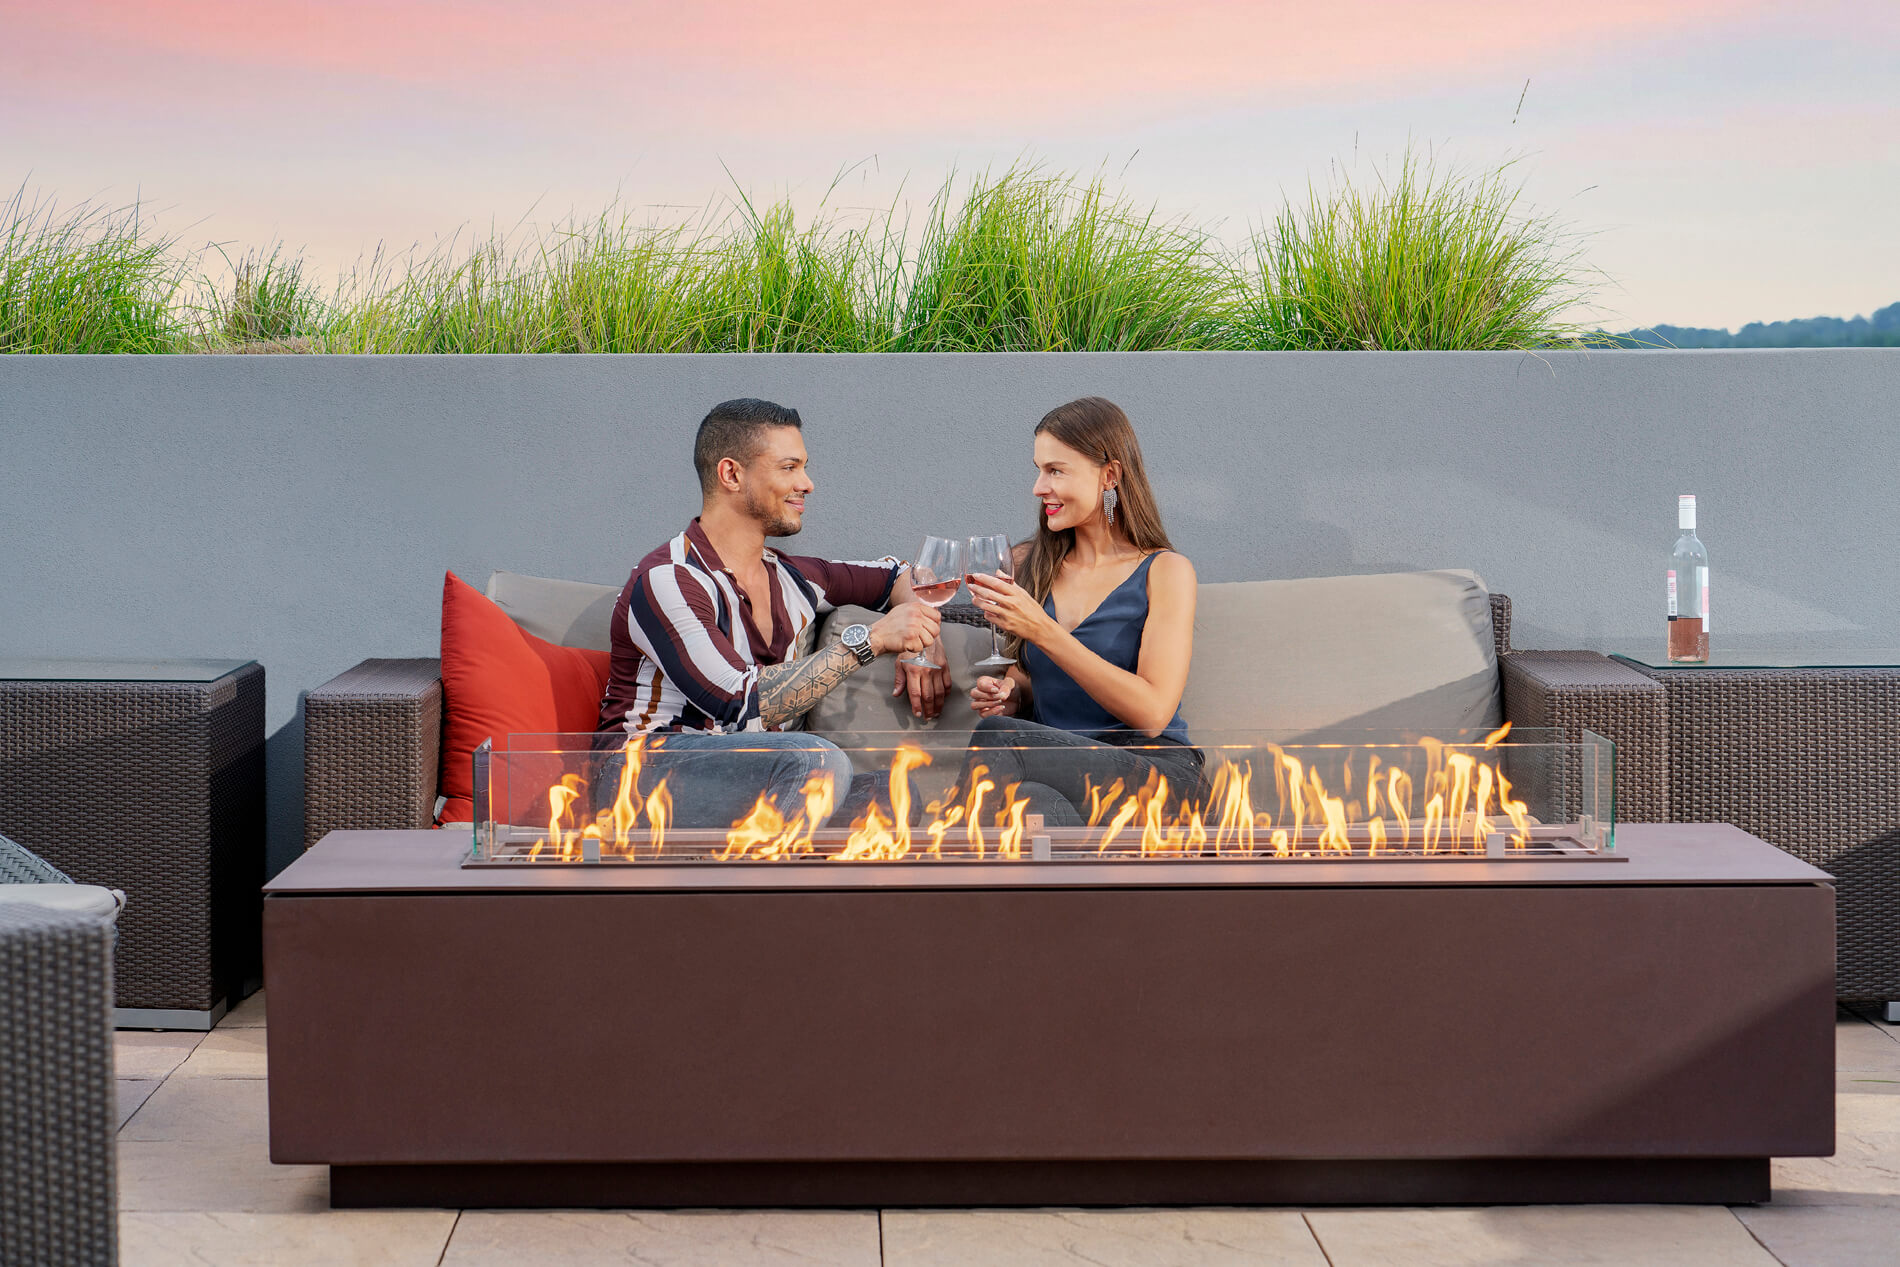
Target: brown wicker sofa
372, 734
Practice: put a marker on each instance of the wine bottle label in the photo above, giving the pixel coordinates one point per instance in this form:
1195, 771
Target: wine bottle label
1702, 583
1672, 593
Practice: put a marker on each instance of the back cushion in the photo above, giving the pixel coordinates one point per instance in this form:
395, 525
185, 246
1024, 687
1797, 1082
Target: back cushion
570, 613
862, 705
498, 680
1405, 650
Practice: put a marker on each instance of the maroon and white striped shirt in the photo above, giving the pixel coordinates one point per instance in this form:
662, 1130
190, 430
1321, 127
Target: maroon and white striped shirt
686, 650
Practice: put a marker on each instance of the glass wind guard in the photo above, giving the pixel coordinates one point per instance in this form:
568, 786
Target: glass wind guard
928, 796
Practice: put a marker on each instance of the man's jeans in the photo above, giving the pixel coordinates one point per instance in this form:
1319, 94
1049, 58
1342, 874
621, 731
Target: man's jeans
715, 779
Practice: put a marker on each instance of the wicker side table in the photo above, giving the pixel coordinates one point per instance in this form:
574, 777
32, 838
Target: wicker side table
148, 777
1805, 754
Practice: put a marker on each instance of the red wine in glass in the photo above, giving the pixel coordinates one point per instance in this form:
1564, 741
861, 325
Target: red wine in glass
935, 579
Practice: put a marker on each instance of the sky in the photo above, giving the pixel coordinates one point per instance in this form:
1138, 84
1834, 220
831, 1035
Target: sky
1720, 161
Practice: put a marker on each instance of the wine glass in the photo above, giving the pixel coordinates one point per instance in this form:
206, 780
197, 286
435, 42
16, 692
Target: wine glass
935, 579
991, 555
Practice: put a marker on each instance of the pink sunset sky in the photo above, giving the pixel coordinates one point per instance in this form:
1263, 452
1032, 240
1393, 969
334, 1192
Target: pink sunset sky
1728, 160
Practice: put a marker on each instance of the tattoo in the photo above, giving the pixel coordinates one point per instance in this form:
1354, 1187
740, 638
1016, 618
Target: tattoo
789, 690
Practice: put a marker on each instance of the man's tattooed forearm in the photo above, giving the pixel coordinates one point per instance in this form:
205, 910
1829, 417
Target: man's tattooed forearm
789, 690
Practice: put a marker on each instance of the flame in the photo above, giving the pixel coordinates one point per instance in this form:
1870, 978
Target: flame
1331, 800
659, 813
980, 787
1010, 843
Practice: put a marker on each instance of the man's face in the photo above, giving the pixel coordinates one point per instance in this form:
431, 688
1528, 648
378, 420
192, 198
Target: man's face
775, 483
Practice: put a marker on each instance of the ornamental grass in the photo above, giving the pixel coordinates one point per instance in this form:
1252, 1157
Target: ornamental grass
1030, 260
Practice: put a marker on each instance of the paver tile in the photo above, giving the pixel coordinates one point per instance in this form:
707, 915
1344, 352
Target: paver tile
226, 1053
226, 1109
220, 1176
1862, 1045
343, 1238
1827, 1236
1062, 1238
1864, 1170
132, 1093
1627, 1236
690, 1238
138, 1053
1867, 1109
246, 1015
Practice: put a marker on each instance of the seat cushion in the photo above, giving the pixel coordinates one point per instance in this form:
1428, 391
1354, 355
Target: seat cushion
862, 705
79, 899
569, 613
1407, 651
498, 680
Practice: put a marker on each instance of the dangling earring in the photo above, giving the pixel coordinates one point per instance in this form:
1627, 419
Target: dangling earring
1109, 499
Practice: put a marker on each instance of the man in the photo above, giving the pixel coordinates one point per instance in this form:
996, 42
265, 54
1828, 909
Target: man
712, 634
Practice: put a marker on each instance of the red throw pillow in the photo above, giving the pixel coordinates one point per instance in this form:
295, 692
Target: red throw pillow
498, 679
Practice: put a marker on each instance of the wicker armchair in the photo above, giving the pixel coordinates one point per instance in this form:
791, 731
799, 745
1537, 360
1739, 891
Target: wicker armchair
58, 1110
372, 735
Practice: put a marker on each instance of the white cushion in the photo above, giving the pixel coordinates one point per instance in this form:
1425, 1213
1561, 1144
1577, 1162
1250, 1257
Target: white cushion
861, 709
80, 899
571, 613
1407, 651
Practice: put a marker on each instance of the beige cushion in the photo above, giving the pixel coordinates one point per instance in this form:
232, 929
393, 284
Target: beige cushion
571, 613
862, 705
1409, 651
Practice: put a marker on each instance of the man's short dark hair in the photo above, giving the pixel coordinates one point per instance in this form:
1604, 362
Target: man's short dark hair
735, 429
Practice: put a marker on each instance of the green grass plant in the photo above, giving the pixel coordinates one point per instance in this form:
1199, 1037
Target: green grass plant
1039, 262
269, 302
87, 279
1413, 261
1026, 261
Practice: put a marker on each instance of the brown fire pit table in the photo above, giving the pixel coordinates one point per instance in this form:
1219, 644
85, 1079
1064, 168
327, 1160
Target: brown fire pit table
1050, 1033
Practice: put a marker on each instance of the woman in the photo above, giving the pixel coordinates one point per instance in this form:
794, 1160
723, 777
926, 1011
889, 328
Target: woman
1101, 619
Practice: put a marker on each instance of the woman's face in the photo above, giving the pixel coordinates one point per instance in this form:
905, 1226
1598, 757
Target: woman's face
1069, 484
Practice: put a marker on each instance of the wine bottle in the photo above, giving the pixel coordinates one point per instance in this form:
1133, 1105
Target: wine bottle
1688, 590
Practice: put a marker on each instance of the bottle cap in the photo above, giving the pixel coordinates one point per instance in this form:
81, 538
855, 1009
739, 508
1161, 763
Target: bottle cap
1685, 512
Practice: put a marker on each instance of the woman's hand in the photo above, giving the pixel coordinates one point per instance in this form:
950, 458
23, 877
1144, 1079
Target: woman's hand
995, 697
1009, 607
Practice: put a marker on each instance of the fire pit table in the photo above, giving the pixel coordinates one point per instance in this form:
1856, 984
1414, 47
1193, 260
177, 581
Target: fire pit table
1543, 1006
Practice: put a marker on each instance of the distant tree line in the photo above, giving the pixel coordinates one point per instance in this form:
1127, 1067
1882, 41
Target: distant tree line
1882, 330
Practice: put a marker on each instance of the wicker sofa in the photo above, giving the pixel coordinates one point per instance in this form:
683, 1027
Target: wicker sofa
372, 735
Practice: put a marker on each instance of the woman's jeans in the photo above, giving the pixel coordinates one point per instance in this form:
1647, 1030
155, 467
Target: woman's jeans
715, 779
1057, 768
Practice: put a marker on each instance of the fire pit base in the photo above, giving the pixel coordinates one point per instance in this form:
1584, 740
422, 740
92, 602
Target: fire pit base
1037, 1033
838, 1185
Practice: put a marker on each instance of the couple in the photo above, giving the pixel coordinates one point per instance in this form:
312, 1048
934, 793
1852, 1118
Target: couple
712, 634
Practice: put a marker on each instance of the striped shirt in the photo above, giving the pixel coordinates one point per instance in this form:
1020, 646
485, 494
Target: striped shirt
686, 651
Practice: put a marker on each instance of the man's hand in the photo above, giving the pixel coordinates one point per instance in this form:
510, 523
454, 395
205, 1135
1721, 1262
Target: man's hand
927, 687
906, 627
995, 697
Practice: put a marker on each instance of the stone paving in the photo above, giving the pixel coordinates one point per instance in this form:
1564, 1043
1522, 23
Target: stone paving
196, 1186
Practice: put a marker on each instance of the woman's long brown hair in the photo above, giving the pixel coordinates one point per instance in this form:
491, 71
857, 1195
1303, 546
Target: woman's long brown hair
1100, 431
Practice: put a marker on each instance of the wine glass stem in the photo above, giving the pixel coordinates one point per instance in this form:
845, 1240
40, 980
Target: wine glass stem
996, 648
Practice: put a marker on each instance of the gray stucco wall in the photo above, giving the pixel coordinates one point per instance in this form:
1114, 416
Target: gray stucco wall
301, 510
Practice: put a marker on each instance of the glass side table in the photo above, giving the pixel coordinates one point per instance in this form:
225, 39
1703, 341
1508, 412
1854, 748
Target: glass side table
1802, 749
148, 776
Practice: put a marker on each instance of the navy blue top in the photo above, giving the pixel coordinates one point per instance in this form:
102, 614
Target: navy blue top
1112, 631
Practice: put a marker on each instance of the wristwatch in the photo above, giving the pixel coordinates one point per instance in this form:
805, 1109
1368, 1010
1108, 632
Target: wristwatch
857, 640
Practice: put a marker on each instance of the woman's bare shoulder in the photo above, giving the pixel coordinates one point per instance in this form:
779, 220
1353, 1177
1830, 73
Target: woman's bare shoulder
1172, 570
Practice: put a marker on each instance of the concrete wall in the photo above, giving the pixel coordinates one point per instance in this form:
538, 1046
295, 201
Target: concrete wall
301, 510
